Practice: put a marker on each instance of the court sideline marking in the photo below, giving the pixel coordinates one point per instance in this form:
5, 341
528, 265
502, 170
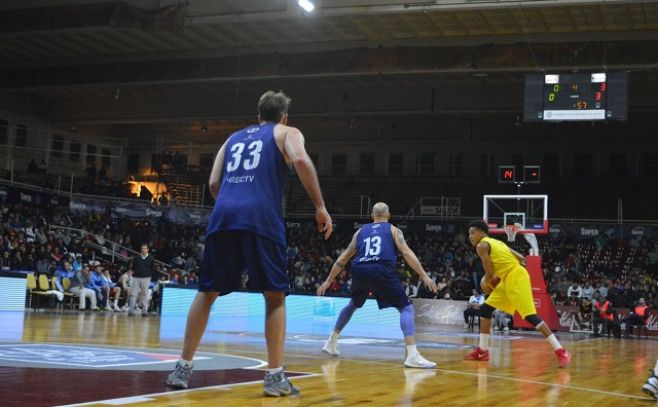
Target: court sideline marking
145, 397
493, 376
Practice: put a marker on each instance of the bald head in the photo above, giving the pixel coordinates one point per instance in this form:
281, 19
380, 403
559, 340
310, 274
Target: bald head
380, 211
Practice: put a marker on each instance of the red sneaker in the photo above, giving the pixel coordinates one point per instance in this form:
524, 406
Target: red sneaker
477, 354
563, 357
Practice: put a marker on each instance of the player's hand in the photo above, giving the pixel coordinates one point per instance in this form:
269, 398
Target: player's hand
322, 288
325, 225
430, 284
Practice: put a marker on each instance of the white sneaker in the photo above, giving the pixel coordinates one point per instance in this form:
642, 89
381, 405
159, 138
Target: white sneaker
331, 348
108, 308
417, 361
651, 387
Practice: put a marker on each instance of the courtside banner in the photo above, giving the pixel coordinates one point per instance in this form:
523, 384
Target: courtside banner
439, 312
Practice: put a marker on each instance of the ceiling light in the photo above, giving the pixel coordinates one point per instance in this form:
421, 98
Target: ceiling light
307, 5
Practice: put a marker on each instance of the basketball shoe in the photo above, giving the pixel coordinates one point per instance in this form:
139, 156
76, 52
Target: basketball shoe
331, 347
563, 357
180, 376
417, 361
477, 354
277, 385
651, 386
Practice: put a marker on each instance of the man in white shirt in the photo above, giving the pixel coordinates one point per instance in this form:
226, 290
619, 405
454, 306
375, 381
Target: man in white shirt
575, 291
474, 304
588, 291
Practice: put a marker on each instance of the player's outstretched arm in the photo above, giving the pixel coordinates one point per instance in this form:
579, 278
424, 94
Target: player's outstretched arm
296, 153
339, 265
216, 174
411, 259
482, 249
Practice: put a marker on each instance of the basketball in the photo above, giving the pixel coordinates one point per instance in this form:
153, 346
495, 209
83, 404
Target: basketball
488, 286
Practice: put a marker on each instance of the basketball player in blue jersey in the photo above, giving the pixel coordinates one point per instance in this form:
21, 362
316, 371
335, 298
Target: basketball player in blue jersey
374, 249
246, 231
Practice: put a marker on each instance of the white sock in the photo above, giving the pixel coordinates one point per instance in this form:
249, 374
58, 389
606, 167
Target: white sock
187, 363
655, 368
276, 370
334, 336
411, 350
554, 342
484, 341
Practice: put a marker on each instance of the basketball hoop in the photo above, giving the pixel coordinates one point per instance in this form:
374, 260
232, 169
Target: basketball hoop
511, 231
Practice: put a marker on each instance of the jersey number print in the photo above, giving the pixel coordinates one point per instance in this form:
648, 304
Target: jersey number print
373, 245
250, 162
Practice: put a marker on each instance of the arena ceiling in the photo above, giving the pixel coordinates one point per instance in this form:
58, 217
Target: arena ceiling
148, 62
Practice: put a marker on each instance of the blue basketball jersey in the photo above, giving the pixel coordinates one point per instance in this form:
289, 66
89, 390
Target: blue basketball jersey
251, 191
374, 244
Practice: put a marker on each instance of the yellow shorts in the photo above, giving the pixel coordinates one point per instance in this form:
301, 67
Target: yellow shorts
514, 293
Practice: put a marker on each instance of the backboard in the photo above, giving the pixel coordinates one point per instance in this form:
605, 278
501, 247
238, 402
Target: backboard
531, 211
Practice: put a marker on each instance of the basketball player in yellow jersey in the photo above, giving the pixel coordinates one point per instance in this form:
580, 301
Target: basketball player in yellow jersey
513, 292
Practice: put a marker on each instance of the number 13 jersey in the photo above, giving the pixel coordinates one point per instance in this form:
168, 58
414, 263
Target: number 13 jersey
251, 189
375, 245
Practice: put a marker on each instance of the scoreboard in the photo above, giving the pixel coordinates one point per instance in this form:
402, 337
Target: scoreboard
576, 97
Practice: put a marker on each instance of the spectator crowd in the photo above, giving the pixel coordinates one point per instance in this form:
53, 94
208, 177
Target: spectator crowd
55, 241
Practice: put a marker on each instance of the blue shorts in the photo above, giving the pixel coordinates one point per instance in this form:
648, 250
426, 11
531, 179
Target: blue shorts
380, 280
228, 254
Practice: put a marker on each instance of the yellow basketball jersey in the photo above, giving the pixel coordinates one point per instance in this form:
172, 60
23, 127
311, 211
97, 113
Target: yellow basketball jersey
502, 259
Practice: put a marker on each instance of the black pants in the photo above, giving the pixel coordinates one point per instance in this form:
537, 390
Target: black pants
613, 326
470, 311
633, 320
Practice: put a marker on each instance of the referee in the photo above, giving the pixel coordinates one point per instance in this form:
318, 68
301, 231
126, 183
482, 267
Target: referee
143, 266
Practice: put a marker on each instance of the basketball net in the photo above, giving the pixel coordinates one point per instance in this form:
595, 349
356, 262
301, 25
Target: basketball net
512, 230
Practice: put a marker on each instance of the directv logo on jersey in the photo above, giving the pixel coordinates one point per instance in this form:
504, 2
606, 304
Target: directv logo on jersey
255, 129
240, 180
366, 258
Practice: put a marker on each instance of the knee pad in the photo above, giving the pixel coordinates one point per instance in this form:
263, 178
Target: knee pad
486, 310
534, 320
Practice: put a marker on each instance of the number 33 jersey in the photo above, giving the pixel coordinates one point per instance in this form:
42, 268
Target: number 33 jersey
251, 189
375, 245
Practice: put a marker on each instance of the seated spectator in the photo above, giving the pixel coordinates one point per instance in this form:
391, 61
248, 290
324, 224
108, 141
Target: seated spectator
100, 286
575, 292
584, 315
412, 289
77, 288
114, 289
638, 317
588, 290
63, 272
474, 304
606, 318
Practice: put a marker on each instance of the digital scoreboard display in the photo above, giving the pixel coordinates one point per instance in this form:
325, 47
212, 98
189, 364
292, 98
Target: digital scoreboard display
576, 97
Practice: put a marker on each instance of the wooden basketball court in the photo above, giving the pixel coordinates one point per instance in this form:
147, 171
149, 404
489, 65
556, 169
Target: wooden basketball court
522, 370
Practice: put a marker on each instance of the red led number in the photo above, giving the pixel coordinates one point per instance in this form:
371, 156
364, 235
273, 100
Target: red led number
604, 86
598, 96
508, 174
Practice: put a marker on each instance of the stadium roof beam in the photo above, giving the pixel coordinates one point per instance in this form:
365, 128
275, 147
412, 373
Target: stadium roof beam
628, 55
